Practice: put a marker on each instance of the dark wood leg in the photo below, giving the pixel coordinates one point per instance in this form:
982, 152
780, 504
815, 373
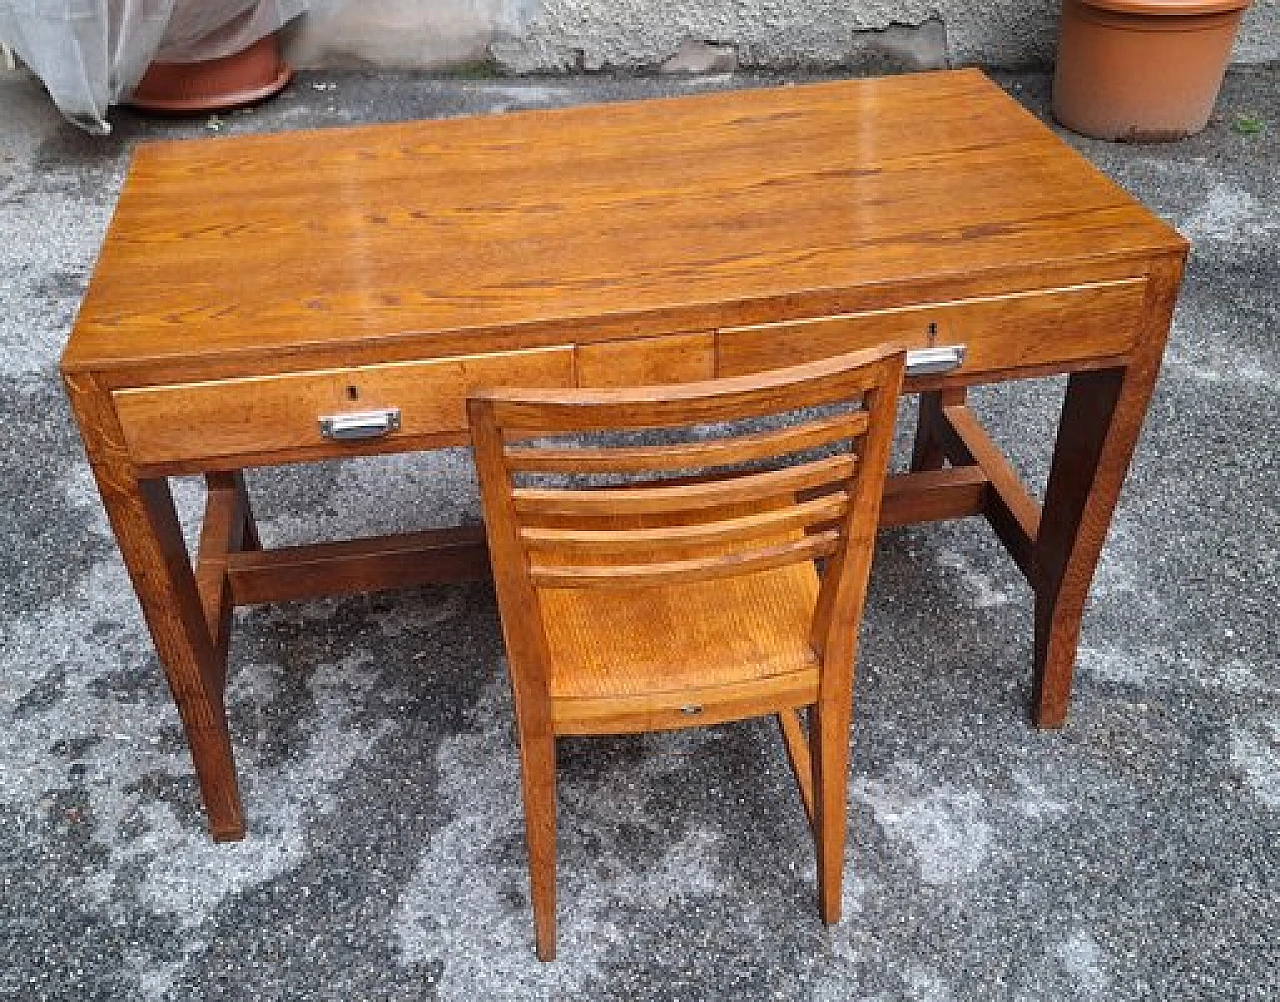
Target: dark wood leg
177, 621
146, 527
249, 539
1102, 415
1084, 483
929, 451
228, 528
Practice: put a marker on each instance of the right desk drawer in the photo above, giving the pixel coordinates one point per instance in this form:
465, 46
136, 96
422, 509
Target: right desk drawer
1000, 334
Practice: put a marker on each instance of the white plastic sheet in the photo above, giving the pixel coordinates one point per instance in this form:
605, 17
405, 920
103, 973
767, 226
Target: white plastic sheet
90, 54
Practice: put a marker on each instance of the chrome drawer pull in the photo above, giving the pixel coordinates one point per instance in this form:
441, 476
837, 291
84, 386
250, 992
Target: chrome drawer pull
366, 424
929, 361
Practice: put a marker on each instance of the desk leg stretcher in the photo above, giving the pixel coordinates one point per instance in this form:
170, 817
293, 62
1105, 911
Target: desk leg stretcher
188, 608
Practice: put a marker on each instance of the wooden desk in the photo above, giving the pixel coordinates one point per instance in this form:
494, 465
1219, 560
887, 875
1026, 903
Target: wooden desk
250, 286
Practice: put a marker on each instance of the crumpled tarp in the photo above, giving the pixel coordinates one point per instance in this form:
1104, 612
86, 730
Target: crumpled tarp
90, 54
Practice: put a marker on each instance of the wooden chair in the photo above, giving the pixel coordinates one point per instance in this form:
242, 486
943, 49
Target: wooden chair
685, 591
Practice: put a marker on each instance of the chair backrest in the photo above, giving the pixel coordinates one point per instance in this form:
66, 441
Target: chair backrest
737, 494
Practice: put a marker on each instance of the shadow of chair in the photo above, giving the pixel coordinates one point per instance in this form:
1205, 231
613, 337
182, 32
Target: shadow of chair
710, 578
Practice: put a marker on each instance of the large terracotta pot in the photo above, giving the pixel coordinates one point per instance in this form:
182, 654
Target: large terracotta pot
244, 77
1142, 70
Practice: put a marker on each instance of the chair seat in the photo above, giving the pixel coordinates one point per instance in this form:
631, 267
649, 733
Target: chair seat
630, 642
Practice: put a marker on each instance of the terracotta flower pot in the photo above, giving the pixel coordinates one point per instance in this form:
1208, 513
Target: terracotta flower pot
1142, 70
244, 77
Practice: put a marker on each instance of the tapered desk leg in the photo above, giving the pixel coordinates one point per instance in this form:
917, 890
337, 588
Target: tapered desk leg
150, 539
929, 450
182, 639
1102, 415
235, 480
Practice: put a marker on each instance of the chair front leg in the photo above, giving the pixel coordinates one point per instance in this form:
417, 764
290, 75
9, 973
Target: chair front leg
830, 746
538, 778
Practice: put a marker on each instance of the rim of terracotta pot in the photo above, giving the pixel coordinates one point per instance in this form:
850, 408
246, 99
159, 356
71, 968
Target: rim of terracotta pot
252, 74
1167, 8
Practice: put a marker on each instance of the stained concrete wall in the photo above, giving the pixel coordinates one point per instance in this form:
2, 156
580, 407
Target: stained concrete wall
404, 34
539, 36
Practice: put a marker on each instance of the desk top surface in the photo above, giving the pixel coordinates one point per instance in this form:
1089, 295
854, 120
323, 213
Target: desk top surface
652, 213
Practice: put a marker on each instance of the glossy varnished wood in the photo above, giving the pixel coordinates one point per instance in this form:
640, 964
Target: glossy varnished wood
150, 539
249, 286
1101, 416
662, 603
352, 566
678, 358
635, 221
1003, 336
281, 414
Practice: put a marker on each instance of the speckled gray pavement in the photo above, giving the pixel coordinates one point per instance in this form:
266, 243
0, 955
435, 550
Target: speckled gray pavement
1132, 855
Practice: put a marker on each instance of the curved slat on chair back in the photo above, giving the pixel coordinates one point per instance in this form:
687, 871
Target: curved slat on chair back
717, 519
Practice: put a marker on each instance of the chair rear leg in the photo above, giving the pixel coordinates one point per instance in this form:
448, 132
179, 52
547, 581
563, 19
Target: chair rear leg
796, 742
830, 747
538, 779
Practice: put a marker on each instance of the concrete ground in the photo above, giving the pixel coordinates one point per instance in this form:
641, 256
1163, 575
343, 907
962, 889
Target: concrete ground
1132, 855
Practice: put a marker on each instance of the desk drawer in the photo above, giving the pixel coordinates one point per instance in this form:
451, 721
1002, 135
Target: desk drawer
250, 416
1024, 330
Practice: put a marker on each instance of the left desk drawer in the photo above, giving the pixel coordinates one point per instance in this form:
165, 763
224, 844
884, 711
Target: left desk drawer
191, 423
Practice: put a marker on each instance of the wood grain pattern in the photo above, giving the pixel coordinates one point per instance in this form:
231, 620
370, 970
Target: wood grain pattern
679, 358
933, 495
353, 566
1002, 335
769, 523
687, 570
265, 414
540, 412
608, 501
228, 527
796, 741
650, 212
670, 711
724, 613
1101, 417
686, 455
652, 241
150, 540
